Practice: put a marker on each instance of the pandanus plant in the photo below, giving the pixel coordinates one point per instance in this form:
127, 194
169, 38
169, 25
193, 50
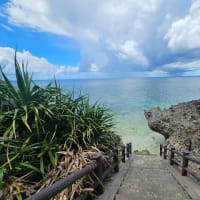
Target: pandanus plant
24, 115
36, 122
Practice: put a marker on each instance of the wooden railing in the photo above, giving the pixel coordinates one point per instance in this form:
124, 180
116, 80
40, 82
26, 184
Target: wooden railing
183, 162
97, 167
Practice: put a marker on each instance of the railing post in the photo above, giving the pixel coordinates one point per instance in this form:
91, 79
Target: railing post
172, 155
127, 150
161, 146
99, 174
130, 148
116, 161
184, 163
123, 154
165, 152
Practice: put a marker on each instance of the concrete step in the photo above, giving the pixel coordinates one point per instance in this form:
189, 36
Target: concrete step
149, 178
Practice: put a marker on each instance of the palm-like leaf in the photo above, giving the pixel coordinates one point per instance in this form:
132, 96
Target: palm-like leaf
36, 122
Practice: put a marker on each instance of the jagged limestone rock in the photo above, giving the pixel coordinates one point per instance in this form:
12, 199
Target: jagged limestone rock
179, 124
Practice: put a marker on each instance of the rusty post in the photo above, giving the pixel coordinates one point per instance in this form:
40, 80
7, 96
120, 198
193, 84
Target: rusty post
184, 163
172, 155
127, 150
116, 161
123, 154
165, 152
161, 146
99, 173
130, 148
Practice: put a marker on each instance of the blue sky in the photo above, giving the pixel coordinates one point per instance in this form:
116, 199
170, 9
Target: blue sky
101, 39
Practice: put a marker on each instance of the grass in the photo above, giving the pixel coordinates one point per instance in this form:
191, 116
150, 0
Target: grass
38, 122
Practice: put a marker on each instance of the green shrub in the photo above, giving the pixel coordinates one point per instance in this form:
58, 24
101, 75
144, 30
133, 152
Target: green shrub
36, 122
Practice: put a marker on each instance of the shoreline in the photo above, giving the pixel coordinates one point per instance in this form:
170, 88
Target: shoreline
133, 127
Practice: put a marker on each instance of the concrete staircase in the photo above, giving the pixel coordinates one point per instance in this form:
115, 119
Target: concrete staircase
149, 177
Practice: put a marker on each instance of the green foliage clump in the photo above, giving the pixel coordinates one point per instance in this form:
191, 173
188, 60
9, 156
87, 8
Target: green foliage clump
36, 122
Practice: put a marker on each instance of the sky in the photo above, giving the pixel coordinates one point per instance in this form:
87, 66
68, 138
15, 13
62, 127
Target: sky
101, 39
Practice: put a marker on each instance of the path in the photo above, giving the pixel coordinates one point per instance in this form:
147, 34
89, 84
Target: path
150, 178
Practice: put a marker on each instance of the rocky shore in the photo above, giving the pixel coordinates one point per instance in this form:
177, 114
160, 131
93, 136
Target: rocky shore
179, 124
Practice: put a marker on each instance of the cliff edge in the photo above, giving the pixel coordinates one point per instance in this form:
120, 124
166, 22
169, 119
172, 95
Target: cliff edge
179, 124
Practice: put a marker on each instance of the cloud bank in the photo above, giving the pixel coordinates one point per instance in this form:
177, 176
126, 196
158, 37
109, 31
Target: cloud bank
184, 33
39, 67
156, 37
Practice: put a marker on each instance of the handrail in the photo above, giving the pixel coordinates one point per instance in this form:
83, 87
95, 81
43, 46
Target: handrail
57, 187
186, 157
193, 159
96, 166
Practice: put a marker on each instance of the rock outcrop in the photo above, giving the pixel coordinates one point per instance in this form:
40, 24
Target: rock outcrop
179, 124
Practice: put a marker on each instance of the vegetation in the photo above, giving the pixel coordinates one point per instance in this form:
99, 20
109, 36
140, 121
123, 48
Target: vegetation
38, 122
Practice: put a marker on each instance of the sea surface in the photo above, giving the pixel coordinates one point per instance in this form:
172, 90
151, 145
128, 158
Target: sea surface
128, 98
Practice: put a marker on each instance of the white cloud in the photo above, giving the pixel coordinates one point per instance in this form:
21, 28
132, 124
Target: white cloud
6, 27
113, 35
186, 66
35, 14
184, 33
129, 51
157, 73
94, 68
2, 15
66, 69
124, 23
40, 67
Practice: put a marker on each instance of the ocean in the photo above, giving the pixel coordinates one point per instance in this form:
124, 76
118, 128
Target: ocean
128, 98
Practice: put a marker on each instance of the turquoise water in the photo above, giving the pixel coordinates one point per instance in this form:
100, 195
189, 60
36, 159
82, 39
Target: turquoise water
128, 98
